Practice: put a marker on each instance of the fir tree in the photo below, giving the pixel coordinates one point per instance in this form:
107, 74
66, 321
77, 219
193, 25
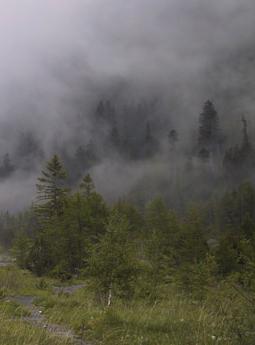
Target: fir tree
87, 186
209, 137
51, 189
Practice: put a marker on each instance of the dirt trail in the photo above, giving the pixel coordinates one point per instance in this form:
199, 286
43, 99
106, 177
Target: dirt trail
5, 260
36, 317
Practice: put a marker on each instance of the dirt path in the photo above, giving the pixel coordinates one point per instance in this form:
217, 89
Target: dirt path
5, 260
37, 319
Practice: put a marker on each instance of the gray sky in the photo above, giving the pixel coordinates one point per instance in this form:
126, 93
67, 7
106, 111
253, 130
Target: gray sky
151, 40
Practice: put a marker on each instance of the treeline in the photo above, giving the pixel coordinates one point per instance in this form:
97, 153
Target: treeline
138, 132
135, 132
128, 251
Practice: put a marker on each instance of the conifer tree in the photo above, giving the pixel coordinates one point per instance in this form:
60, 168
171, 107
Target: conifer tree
96, 211
51, 189
87, 186
209, 137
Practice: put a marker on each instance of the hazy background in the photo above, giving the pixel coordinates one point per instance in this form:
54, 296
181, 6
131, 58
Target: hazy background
58, 58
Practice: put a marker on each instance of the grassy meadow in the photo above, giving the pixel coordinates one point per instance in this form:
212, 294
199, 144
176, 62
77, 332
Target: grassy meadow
223, 316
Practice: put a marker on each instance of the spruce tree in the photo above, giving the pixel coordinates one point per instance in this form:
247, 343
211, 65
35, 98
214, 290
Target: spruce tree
95, 209
51, 189
87, 186
209, 137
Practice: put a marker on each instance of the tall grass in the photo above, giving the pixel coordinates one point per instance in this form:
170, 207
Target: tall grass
222, 317
177, 320
14, 331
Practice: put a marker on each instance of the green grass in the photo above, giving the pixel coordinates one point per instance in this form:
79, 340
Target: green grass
19, 333
223, 317
177, 320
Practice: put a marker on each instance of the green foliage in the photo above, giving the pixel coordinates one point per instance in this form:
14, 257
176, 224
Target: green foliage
51, 190
161, 231
21, 249
237, 207
191, 243
112, 262
197, 279
130, 254
87, 186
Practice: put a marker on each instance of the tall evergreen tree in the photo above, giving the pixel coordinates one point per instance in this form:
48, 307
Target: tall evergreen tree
209, 134
87, 186
51, 189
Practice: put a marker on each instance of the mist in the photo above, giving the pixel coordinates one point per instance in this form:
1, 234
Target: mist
60, 58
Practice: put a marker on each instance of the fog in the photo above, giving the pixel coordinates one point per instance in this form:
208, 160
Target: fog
58, 58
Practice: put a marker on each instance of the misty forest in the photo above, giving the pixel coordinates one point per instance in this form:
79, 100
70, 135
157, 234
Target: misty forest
127, 172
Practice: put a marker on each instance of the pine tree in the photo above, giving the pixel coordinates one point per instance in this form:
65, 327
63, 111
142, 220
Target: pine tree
96, 211
87, 186
209, 136
51, 189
